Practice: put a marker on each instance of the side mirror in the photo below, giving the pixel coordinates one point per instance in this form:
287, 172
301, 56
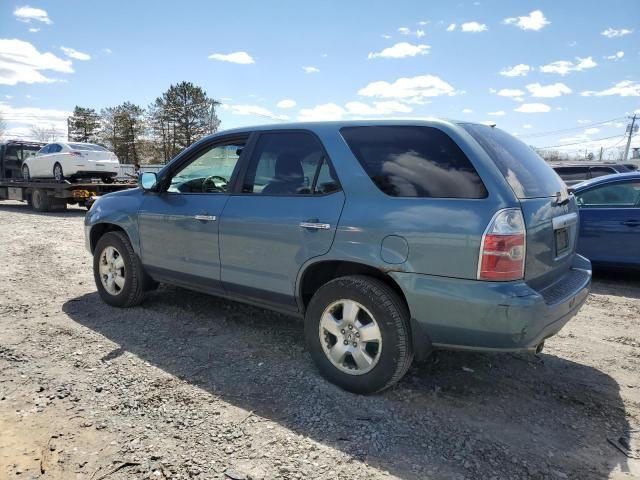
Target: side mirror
147, 180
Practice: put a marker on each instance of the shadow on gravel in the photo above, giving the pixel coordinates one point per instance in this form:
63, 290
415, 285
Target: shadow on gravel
460, 415
617, 282
27, 210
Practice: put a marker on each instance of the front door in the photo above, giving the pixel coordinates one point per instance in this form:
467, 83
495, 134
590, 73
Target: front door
179, 226
285, 212
610, 223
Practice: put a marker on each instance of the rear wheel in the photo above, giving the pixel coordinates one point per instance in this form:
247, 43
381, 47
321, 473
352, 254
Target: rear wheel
40, 200
117, 271
58, 174
357, 331
107, 179
25, 172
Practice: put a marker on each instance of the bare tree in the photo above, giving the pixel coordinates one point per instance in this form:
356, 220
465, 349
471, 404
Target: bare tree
44, 134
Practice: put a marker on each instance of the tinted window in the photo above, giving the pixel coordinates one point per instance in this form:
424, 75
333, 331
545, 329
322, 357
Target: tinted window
601, 171
414, 162
573, 173
327, 180
619, 195
55, 148
284, 164
209, 172
88, 147
527, 173
44, 150
20, 152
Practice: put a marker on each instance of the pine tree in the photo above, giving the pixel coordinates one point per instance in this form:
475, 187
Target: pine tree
122, 131
84, 125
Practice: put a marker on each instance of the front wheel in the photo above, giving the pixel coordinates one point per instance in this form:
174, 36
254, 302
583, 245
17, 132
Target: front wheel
25, 173
357, 331
58, 174
117, 271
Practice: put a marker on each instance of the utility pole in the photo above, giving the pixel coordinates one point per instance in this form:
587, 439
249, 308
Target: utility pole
600, 158
626, 150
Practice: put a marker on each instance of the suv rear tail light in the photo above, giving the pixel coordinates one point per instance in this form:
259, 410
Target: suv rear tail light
503, 247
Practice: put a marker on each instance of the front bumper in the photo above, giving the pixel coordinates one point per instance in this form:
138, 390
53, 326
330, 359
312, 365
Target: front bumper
493, 316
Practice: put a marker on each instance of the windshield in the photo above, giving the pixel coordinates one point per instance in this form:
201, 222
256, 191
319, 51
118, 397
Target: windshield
526, 172
87, 146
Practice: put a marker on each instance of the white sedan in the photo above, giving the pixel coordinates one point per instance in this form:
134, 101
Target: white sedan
64, 160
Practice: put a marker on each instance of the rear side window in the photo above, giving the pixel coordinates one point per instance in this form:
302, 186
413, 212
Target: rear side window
412, 161
573, 173
526, 172
601, 171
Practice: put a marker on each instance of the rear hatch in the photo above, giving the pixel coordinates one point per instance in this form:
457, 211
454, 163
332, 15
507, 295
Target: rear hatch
550, 214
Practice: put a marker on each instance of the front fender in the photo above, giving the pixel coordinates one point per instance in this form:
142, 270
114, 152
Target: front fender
119, 209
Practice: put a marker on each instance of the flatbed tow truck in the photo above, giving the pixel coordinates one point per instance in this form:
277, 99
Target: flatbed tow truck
45, 195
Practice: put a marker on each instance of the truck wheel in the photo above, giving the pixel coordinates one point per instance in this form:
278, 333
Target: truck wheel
107, 179
40, 200
25, 173
357, 331
58, 174
118, 273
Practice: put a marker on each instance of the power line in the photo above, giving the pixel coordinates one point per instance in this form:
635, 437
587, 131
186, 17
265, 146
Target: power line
581, 142
554, 132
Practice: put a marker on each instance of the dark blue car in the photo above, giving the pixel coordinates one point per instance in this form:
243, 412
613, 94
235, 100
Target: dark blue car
610, 220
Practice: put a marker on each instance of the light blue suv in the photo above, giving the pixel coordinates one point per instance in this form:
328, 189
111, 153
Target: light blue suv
390, 239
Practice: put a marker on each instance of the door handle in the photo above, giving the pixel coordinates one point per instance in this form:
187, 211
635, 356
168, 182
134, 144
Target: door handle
631, 223
205, 218
315, 225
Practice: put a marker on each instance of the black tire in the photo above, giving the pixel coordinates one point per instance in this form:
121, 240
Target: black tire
391, 315
26, 175
108, 179
59, 178
40, 200
133, 292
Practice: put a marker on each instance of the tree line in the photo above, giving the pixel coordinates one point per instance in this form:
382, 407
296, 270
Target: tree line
176, 119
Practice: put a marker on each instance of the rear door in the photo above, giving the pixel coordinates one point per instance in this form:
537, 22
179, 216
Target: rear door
610, 223
551, 215
285, 212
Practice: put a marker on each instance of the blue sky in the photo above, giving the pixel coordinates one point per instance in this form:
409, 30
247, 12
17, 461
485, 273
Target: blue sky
530, 67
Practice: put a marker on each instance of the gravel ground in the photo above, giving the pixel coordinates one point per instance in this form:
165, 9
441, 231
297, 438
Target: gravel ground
190, 386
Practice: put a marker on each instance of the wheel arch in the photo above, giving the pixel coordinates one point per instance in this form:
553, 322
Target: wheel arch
100, 229
316, 274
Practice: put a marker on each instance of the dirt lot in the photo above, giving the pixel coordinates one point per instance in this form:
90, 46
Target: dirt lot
190, 386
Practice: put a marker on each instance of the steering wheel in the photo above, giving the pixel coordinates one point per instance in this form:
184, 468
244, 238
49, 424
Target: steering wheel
209, 184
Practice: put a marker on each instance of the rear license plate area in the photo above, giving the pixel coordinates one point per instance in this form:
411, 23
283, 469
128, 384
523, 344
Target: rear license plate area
562, 241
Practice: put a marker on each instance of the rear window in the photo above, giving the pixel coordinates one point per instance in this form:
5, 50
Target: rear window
527, 173
412, 161
87, 146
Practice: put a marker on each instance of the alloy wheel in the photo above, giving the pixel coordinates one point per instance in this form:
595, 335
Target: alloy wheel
112, 270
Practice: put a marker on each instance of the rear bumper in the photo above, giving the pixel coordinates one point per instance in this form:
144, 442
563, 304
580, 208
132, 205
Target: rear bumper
109, 172
493, 316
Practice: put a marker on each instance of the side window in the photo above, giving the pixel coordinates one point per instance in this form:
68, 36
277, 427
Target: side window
55, 148
44, 150
327, 180
209, 172
616, 195
286, 163
601, 171
409, 161
573, 173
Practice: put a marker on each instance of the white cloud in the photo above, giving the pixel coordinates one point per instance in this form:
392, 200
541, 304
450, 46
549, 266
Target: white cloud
423, 22
287, 103
591, 131
473, 27
467, 110
326, 111
582, 122
534, 21
253, 110
532, 108
21, 62
509, 92
616, 56
234, 57
20, 120
548, 91
34, 29
386, 37
401, 50
28, 14
499, 113
451, 27
612, 32
409, 90
378, 108
310, 69
108, 51
519, 70
626, 88
563, 67
72, 53
527, 126
407, 31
